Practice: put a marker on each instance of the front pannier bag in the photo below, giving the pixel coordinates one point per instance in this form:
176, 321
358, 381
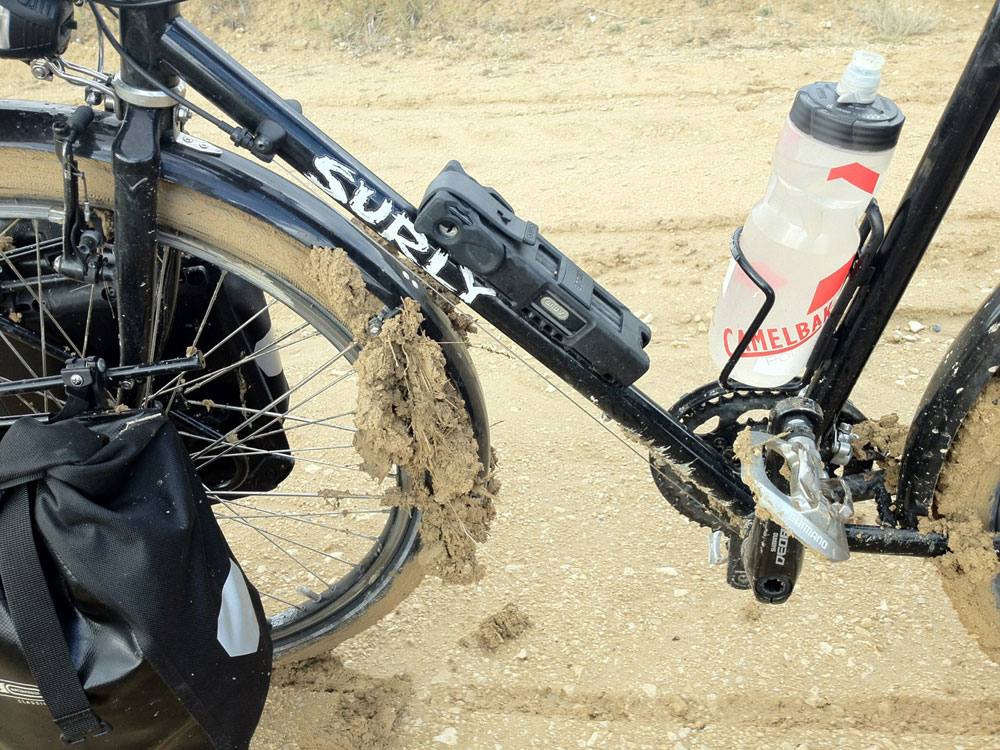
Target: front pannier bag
123, 615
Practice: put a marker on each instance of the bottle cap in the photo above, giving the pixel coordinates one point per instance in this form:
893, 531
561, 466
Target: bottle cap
873, 126
859, 84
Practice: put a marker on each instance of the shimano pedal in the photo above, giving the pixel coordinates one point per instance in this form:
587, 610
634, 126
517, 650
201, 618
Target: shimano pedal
815, 507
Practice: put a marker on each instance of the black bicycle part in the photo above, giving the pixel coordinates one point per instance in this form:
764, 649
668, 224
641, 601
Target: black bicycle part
113, 375
963, 125
972, 360
35, 29
773, 558
180, 49
207, 69
480, 230
717, 416
772, 561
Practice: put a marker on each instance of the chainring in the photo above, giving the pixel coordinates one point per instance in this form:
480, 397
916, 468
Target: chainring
718, 416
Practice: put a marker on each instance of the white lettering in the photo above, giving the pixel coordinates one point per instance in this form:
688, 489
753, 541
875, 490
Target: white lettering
328, 168
402, 232
779, 558
472, 290
359, 203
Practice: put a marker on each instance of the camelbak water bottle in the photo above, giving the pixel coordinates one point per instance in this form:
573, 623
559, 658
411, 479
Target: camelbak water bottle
802, 236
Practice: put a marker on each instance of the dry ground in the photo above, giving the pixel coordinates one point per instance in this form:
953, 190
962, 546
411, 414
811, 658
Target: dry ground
637, 135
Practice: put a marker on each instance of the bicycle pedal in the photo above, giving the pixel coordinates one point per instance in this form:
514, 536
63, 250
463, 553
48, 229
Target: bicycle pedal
806, 512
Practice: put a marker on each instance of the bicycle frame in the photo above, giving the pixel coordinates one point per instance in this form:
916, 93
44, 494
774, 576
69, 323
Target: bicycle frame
169, 46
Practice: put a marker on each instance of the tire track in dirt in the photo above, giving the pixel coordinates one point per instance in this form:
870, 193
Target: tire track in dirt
928, 715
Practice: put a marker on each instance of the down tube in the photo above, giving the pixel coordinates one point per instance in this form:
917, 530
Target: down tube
210, 71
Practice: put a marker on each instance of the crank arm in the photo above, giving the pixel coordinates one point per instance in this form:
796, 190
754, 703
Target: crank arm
809, 516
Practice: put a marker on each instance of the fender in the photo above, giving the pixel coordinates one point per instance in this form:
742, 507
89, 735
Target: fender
260, 193
970, 363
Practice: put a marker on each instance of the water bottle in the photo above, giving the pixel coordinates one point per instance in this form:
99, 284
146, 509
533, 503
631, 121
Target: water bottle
802, 236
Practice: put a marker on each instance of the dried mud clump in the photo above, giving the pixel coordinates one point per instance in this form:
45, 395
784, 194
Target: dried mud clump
334, 706
6, 243
886, 437
501, 627
970, 571
410, 415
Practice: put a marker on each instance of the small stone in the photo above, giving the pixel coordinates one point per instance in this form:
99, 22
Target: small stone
916, 326
448, 737
936, 328
668, 571
569, 690
680, 592
522, 654
825, 647
650, 689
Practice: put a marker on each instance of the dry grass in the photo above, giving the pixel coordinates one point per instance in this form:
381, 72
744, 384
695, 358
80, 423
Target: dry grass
374, 23
895, 19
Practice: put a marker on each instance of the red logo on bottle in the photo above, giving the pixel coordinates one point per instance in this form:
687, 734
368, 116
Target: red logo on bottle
857, 174
770, 341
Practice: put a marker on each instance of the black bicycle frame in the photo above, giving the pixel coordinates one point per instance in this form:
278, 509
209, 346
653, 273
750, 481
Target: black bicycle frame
171, 47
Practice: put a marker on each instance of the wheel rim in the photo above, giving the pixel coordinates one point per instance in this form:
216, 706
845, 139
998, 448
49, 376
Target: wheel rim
318, 545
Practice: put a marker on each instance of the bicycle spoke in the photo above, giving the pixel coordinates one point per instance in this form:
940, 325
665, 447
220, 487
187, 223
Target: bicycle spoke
43, 310
271, 348
262, 452
271, 536
299, 607
41, 317
309, 495
314, 374
90, 315
21, 359
267, 536
272, 514
197, 335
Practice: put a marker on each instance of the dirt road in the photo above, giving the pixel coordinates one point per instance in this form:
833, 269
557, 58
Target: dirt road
637, 136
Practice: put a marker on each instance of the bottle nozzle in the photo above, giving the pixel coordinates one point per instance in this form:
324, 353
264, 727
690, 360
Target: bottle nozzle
859, 84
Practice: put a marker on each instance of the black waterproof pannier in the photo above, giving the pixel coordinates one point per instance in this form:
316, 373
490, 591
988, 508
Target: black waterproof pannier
123, 614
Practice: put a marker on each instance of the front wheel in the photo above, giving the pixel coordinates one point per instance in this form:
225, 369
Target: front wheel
270, 424
968, 499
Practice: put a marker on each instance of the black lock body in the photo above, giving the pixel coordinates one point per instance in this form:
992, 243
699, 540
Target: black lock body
34, 28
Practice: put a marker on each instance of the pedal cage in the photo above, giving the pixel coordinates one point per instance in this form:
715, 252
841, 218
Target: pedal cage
806, 511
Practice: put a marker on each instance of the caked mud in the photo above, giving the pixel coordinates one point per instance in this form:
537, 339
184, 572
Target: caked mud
410, 416
965, 502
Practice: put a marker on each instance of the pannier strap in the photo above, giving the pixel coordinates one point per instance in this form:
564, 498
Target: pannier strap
34, 616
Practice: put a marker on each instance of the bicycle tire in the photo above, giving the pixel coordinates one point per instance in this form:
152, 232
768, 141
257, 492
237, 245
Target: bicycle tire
968, 499
204, 228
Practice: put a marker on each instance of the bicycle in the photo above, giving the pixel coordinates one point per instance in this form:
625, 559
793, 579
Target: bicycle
463, 242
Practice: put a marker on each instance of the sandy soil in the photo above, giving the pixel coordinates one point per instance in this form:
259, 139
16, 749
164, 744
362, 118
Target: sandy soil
637, 136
